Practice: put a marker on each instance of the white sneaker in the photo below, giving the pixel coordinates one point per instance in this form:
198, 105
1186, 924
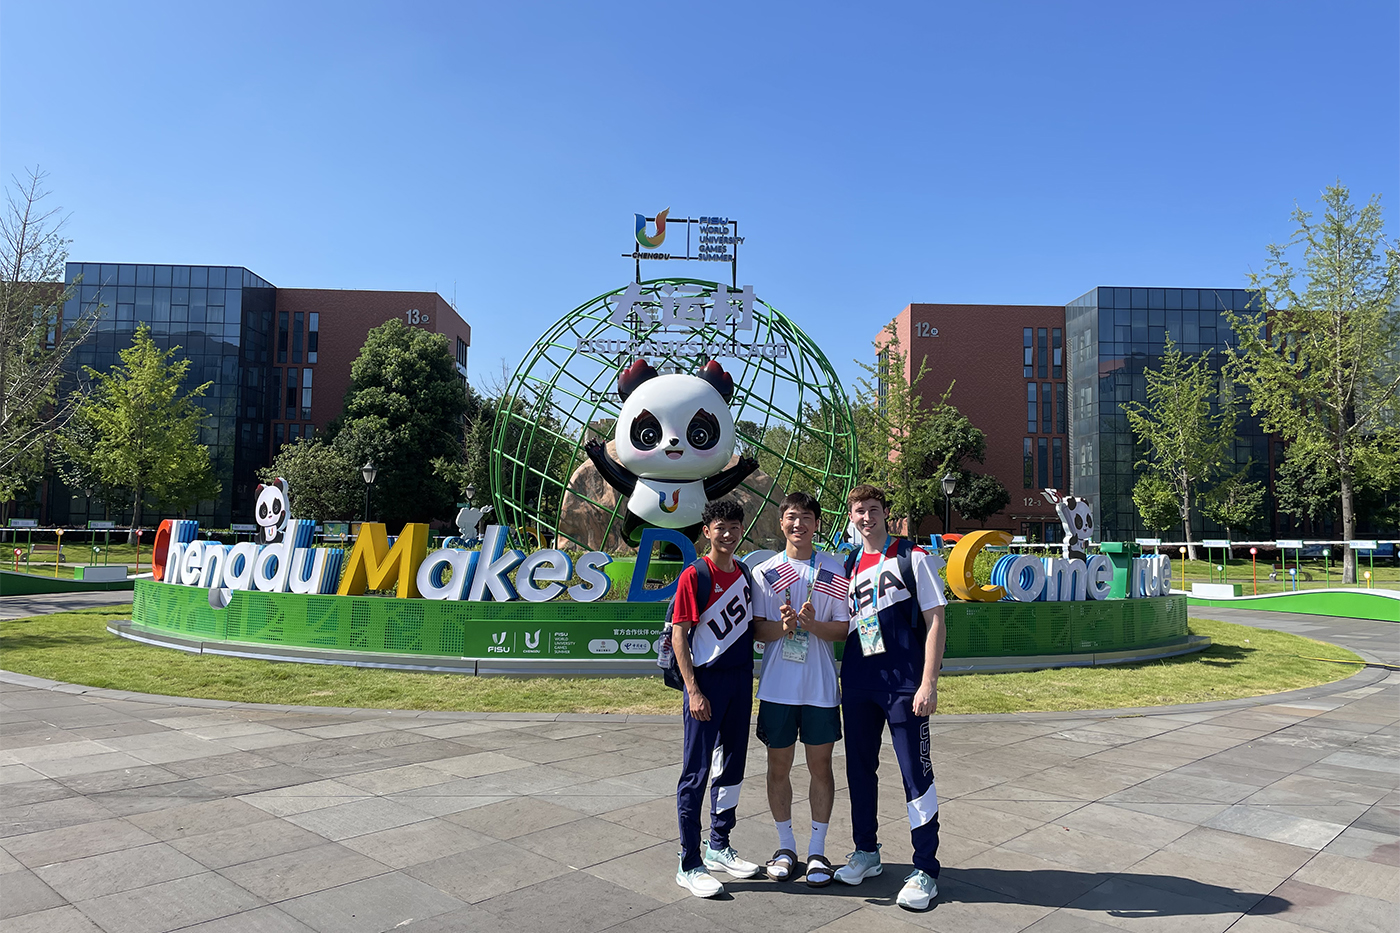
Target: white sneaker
919, 889
859, 866
699, 882
727, 859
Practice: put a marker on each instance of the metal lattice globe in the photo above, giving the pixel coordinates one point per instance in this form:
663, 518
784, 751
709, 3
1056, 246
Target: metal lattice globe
791, 413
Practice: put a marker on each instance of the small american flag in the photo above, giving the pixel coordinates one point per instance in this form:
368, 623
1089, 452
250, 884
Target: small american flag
782, 577
831, 584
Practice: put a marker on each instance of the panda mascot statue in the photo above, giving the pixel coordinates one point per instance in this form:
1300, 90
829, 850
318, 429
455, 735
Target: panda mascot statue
674, 437
1077, 518
272, 511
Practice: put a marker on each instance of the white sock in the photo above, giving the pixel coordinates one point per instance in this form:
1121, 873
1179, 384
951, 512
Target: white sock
818, 846
786, 840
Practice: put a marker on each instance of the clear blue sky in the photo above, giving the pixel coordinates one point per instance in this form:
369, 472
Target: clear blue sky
875, 154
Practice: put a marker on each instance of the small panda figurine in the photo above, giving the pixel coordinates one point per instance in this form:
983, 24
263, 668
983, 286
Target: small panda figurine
272, 511
675, 435
1077, 517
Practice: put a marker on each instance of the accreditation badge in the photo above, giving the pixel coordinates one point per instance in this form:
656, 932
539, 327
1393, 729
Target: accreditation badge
795, 646
868, 627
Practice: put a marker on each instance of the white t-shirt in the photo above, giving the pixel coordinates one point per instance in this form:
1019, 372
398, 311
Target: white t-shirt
799, 683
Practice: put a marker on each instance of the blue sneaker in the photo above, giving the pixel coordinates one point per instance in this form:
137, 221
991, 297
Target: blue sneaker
727, 859
699, 882
859, 866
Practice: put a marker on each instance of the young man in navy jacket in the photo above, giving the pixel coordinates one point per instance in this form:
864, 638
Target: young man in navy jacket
889, 675
714, 652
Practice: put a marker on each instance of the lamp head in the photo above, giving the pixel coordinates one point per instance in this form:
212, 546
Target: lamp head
369, 471
950, 482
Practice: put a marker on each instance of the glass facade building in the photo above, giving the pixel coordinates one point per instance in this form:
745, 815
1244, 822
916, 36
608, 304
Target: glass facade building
221, 319
1114, 335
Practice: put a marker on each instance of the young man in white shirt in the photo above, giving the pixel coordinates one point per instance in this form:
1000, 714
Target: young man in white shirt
889, 675
801, 611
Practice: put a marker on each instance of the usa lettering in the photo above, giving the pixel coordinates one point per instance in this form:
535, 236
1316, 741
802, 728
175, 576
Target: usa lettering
882, 593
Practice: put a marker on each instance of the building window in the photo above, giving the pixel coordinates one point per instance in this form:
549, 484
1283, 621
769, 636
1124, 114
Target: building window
1046, 414
1042, 356
1057, 463
882, 375
298, 319
281, 336
1028, 352
1027, 464
462, 352
275, 394
306, 393
293, 375
1061, 416
1031, 415
293, 432
313, 337
1057, 348
277, 431
1042, 455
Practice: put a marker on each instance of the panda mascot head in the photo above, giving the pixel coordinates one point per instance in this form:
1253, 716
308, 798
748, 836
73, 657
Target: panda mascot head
1077, 517
676, 426
272, 511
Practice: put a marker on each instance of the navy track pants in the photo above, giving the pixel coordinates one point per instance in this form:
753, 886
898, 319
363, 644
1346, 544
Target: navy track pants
865, 716
718, 746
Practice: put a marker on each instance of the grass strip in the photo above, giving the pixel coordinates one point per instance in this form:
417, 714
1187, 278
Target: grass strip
75, 647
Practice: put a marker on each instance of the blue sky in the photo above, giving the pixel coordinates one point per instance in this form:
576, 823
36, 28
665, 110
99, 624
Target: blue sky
874, 154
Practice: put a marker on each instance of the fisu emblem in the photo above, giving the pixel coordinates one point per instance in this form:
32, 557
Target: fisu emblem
499, 638
675, 501
532, 640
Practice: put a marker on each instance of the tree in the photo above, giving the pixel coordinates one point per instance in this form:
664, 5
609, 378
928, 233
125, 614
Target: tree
147, 432
1157, 502
35, 340
404, 411
1320, 355
1186, 442
1235, 503
906, 447
322, 482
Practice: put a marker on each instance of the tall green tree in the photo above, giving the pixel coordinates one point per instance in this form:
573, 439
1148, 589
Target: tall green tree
1235, 503
146, 430
1186, 439
404, 411
35, 340
1156, 501
907, 445
322, 481
1320, 357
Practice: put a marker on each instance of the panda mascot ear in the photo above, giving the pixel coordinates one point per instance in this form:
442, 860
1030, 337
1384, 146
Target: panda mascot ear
257, 492
715, 375
281, 484
632, 377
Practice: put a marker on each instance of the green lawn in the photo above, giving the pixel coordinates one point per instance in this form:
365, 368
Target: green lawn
75, 647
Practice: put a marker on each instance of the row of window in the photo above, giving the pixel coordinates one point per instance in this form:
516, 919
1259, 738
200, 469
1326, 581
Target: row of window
1186, 299
1043, 462
298, 388
109, 273
305, 331
1041, 413
1038, 363
289, 434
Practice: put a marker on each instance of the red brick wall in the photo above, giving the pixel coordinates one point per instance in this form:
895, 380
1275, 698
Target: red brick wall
978, 347
346, 318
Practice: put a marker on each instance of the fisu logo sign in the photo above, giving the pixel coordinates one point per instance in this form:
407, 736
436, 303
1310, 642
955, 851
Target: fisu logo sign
652, 242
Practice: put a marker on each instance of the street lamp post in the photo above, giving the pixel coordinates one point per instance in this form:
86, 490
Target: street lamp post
950, 483
369, 471
471, 494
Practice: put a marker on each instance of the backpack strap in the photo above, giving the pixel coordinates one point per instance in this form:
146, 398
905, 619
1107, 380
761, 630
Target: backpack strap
851, 560
905, 559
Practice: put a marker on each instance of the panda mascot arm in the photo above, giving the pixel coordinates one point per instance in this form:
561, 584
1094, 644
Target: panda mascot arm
617, 475
726, 481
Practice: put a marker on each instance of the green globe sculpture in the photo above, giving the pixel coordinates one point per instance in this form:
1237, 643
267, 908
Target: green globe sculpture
790, 410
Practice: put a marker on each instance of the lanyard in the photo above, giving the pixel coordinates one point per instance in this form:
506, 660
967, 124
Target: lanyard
879, 572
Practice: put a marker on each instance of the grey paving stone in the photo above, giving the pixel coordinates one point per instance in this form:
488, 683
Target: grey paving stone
1112, 822
1380, 819
1127, 904
1084, 851
26, 893
133, 800
1232, 887
1023, 878
159, 908
299, 798
302, 871
66, 919
198, 818
1278, 827
465, 918
1261, 855
577, 902
656, 817
34, 791
985, 824
478, 874
1354, 876
258, 920
230, 763
120, 779
255, 780
356, 818
238, 844
96, 875
1326, 909
586, 842
371, 906
1065, 922
50, 814
397, 779
519, 816
1366, 844
80, 841
416, 843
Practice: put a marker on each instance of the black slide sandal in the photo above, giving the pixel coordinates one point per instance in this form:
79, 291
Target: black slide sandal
819, 865
777, 871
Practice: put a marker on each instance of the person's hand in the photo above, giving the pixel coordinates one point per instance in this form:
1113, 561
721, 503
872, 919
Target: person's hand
699, 707
808, 615
926, 700
790, 619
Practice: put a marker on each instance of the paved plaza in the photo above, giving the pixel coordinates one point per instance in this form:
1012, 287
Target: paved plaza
138, 814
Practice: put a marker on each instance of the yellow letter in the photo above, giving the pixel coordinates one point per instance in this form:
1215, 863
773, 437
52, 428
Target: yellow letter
960, 566
374, 566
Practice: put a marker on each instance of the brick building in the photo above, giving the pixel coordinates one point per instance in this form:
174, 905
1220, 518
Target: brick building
279, 360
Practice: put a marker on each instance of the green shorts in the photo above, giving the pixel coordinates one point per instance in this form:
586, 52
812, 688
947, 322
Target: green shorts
779, 724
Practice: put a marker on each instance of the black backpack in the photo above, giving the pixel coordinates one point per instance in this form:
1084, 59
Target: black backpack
704, 590
904, 557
